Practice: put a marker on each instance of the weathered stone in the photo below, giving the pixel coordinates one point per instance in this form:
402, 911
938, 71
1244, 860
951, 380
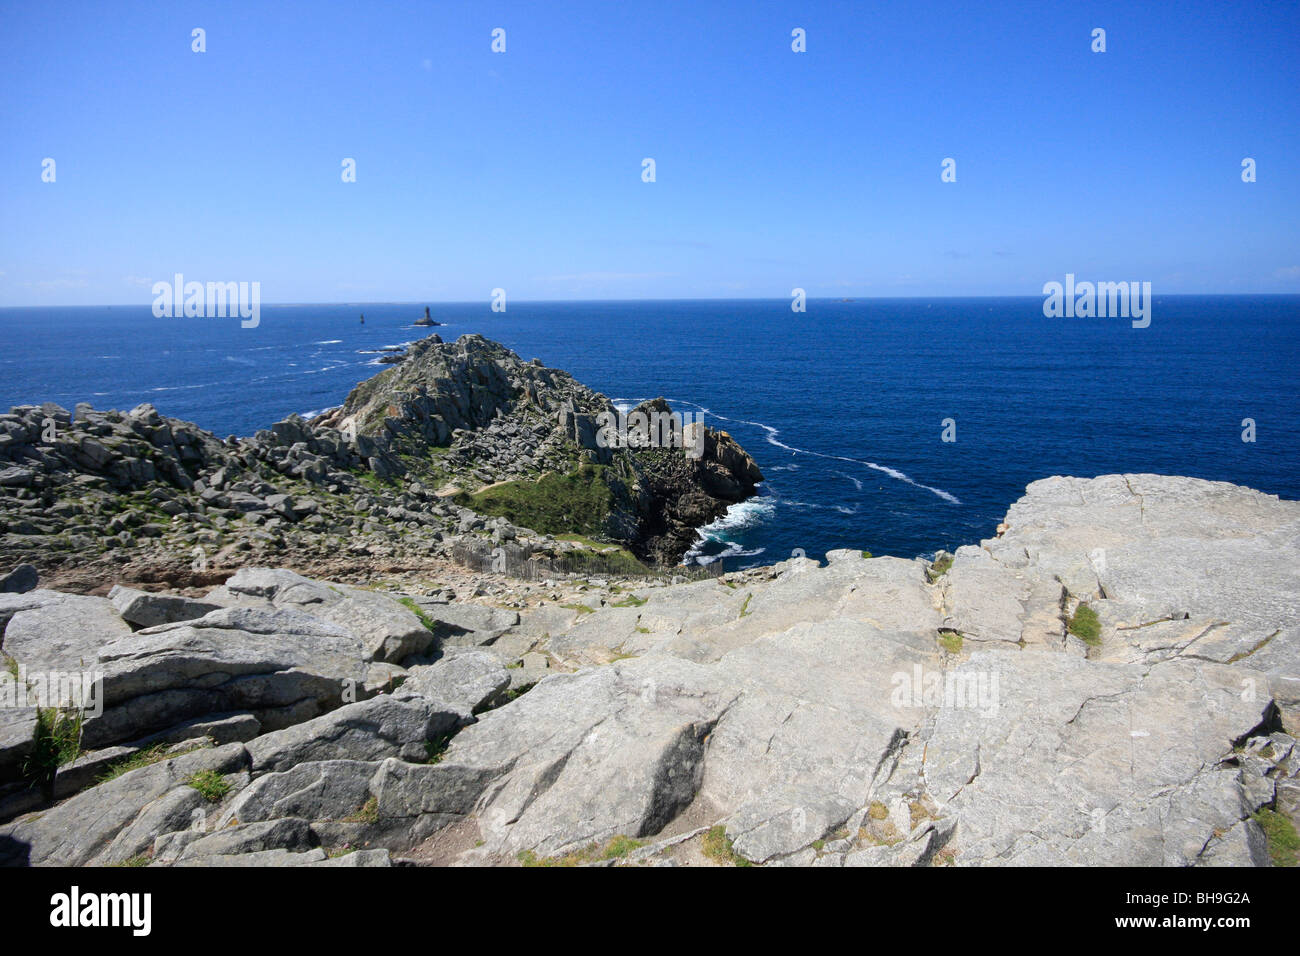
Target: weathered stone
149, 610
324, 790
76, 830
20, 580
389, 631
468, 680
369, 731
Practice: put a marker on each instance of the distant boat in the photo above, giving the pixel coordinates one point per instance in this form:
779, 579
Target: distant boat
427, 320
363, 318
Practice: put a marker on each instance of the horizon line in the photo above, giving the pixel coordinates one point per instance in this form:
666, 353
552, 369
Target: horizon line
487, 301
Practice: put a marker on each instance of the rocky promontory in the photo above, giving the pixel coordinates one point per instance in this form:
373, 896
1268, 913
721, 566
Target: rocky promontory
1113, 679
456, 444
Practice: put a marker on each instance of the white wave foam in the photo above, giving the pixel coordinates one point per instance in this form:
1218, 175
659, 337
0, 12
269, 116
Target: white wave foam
329, 342
857, 482
745, 514
773, 440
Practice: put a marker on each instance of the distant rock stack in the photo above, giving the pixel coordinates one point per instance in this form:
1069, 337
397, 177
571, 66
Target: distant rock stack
427, 320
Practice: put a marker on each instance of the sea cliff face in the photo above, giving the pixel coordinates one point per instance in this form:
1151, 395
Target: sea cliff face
1113, 679
456, 443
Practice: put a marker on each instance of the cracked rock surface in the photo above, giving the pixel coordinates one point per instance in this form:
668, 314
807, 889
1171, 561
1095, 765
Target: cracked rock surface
868, 712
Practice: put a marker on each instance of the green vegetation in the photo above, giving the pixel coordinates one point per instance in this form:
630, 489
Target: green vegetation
940, 567
429, 623
616, 849
717, 847
1283, 841
866, 555
369, 813
56, 741
608, 561
141, 758
211, 784
515, 693
373, 482
877, 810
576, 503
11, 665
630, 601
580, 608
1086, 626
435, 750
619, 847
950, 641
744, 608
141, 860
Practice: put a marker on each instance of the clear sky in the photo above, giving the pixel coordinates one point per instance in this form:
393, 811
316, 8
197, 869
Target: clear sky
523, 169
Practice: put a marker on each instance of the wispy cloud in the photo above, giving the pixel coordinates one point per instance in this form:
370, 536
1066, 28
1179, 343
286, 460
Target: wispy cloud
1288, 272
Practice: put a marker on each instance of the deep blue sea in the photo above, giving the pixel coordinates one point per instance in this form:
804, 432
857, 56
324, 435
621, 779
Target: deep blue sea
842, 406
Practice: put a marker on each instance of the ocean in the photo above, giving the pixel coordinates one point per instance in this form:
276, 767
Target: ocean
845, 407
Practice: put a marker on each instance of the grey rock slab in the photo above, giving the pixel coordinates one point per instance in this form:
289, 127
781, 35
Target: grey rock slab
1080, 759
76, 830
468, 624
286, 833
319, 790
148, 610
369, 730
468, 680
62, 632
389, 631
584, 757
984, 600
257, 858
233, 659
361, 858
20, 580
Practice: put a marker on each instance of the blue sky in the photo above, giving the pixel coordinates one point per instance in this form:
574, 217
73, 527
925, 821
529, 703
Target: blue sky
522, 170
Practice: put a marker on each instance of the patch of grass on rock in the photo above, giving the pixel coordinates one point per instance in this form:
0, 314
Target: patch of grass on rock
717, 847
1283, 841
940, 567
212, 785
1086, 626
429, 623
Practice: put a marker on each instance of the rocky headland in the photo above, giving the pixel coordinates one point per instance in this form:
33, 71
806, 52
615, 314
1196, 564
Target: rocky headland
457, 446
1113, 679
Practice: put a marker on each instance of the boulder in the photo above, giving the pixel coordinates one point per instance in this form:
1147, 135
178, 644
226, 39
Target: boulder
20, 580
366, 731
149, 610
389, 631
467, 680
80, 828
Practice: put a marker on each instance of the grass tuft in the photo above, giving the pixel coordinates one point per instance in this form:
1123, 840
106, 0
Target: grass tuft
1283, 841
409, 603
940, 568
211, 784
1086, 626
717, 847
